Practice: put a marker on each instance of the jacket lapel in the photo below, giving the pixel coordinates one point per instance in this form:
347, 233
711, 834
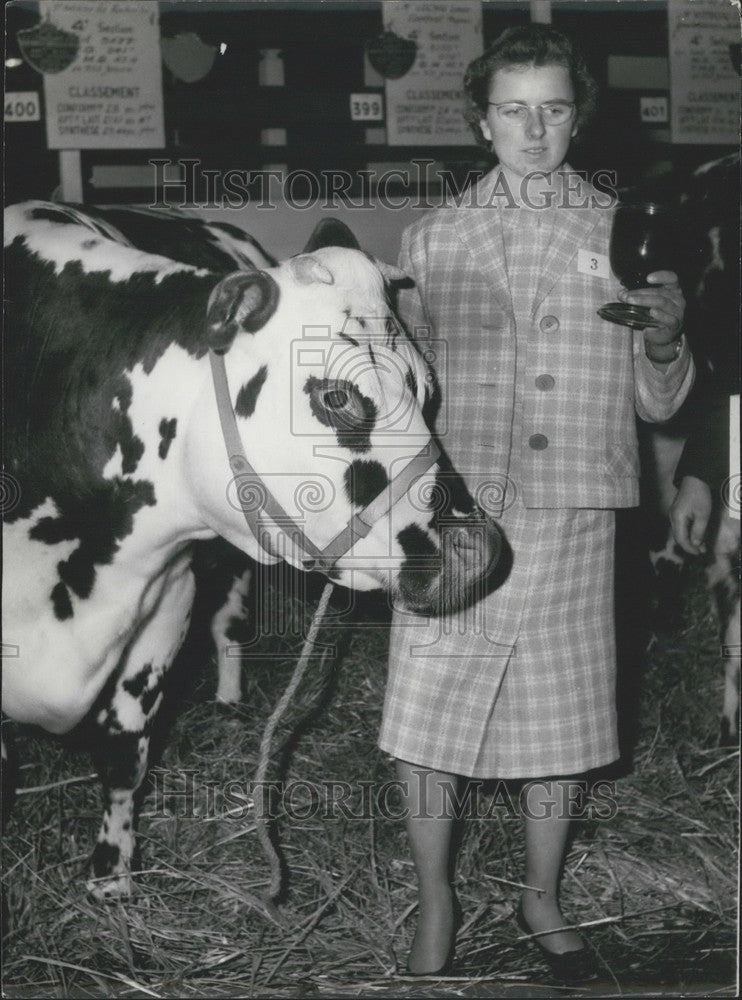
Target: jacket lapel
571, 229
478, 224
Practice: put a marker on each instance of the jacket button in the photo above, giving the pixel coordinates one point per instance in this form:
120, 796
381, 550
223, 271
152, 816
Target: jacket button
538, 442
544, 382
549, 324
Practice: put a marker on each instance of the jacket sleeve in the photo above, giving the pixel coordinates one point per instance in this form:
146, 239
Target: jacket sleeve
659, 393
706, 452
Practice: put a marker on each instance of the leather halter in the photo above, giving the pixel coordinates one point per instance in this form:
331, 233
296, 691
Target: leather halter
358, 526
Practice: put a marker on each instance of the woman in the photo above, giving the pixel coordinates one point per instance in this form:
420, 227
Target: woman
538, 398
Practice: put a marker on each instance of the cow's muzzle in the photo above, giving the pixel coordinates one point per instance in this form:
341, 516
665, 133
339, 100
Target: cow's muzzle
459, 574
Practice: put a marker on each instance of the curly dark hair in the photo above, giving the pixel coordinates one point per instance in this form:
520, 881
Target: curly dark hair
532, 44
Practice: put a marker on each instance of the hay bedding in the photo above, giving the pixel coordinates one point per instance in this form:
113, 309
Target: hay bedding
656, 886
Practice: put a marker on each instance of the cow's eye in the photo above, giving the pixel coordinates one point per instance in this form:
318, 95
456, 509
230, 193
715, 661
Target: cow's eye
335, 399
339, 403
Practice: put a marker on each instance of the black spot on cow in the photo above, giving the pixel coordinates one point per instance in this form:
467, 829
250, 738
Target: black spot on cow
111, 723
90, 244
139, 687
132, 447
52, 215
188, 240
247, 397
422, 564
240, 234
139, 682
416, 543
339, 404
61, 602
167, 430
117, 759
99, 521
364, 480
105, 859
234, 231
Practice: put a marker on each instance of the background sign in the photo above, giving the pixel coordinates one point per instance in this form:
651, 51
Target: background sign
366, 108
21, 106
424, 106
704, 83
110, 95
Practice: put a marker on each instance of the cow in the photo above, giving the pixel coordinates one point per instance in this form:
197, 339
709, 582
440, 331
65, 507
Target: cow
707, 203
125, 370
225, 573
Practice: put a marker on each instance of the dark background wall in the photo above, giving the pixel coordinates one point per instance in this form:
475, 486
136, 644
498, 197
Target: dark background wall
219, 119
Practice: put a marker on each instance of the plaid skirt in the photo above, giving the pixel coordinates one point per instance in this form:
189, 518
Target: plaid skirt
522, 684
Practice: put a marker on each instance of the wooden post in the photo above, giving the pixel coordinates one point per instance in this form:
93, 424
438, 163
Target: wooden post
70, 175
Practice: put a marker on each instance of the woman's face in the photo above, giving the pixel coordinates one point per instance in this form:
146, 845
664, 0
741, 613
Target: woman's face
523, 148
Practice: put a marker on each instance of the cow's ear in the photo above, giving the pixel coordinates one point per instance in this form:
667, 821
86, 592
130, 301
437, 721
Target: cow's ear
240, 302
331, 232
307, 270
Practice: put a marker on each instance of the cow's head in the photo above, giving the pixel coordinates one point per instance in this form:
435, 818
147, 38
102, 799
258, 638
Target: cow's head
327, 392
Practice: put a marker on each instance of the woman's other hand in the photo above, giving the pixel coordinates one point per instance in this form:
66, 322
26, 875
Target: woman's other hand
689, 514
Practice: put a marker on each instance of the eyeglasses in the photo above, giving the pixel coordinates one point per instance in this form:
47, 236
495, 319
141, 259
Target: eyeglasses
551, 113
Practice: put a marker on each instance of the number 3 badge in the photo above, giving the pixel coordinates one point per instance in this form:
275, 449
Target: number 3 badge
594, 264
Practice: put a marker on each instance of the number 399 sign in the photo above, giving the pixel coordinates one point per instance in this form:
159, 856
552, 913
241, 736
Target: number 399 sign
366, 108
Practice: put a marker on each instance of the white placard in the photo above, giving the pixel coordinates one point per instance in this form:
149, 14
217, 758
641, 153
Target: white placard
595, 265
21, 106
110, 96
425, 105
653, 110
366, 108
704, 85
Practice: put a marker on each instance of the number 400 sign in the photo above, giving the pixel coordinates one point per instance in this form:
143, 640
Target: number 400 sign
22, 106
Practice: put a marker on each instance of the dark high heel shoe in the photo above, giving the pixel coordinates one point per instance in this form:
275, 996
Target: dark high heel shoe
447, 968
575, 966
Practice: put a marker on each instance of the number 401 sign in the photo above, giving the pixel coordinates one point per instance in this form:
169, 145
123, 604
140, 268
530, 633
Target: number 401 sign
22, 106
366, 108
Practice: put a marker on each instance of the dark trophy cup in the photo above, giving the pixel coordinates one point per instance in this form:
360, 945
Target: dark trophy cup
644, 239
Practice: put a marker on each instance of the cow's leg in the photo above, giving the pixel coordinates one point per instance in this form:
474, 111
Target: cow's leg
730, 712
724, 582
124, 722
669, 566
660, 449
8, 793
229, 688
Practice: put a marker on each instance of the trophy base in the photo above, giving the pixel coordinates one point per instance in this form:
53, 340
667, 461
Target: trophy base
637, 317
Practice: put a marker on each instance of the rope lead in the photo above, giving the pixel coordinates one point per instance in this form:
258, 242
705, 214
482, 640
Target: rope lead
261, 822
